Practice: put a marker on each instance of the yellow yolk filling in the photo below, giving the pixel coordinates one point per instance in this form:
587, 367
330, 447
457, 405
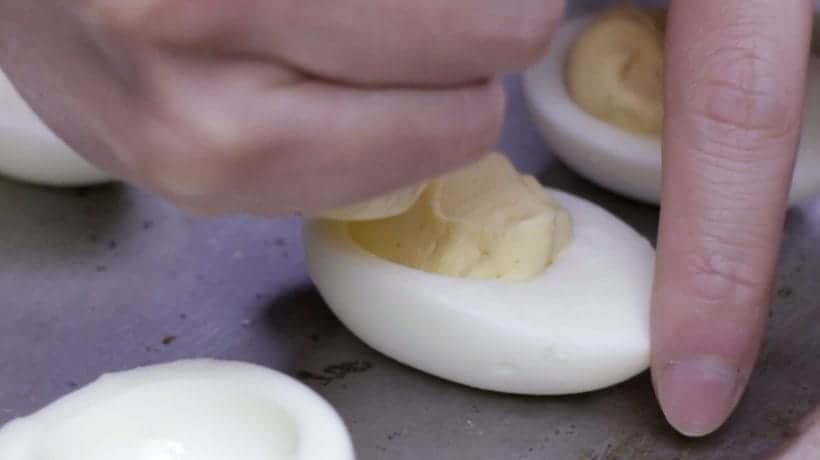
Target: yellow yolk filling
615, 69
486, 221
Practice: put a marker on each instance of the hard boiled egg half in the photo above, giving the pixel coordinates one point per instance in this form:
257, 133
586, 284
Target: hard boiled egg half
597, 99
484, 278
30, 152
187, 410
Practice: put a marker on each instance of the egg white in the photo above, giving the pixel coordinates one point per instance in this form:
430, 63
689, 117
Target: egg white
188, 410
626, 163
30, 152
581, 325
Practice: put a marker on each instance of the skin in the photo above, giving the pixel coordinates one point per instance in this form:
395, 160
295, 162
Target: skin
244, 106
735, 82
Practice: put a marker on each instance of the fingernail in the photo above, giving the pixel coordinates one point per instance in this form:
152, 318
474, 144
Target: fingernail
698, 394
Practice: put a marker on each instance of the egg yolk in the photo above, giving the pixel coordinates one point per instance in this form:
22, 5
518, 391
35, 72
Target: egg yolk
485, 221
615, 69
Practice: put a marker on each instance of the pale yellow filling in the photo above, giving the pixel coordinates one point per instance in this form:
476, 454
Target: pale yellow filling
486, 221
379, 207
615, 69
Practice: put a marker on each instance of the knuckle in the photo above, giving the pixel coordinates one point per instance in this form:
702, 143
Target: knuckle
194, 165
721, 274
189, 175
531, 35
524, 33
125, 15
742, 101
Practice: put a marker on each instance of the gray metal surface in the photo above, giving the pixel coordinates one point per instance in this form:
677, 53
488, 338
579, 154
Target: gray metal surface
104, 279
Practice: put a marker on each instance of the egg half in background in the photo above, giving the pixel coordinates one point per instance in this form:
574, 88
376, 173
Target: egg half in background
579, 325
187, 410
624, 162
30, 152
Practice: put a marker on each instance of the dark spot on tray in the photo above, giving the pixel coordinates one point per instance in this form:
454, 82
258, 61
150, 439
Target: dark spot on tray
100, 268
73, 384
112, 245
791, 432
336, 372
168, 340
183, 316
633, 446
147, 224
785, 292
279, 242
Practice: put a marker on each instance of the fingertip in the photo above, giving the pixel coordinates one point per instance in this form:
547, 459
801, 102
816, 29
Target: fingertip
698, 394
463, 126
486, 110
498, 99
497, 110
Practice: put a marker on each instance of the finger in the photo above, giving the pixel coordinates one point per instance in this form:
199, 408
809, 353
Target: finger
805, 444
384, 42
735, 78
310, 146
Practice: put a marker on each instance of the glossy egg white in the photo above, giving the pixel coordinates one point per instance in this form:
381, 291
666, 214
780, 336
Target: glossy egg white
626, 163
188, 410
31, 152
581, 325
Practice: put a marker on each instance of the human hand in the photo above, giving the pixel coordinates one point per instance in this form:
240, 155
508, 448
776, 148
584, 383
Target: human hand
735, 84
272, 106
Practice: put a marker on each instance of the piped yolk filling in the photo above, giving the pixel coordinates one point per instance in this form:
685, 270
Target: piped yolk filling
614, 71
486, 221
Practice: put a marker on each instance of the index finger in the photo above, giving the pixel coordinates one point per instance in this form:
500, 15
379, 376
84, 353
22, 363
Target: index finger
735, 81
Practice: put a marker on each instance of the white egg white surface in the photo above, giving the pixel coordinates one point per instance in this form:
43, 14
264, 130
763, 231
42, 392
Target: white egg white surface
30, 152
188, 410
627, 163
581, 325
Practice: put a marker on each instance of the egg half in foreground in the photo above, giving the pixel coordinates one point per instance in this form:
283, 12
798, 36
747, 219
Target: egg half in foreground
188, 410
577, 322
30, 152
617, 57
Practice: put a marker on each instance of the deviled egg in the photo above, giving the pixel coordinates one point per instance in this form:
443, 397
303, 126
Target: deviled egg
484, 278
31, 152
597, 99
188, 410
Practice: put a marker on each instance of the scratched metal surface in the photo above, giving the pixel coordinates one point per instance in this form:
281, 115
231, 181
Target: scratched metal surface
105, 279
